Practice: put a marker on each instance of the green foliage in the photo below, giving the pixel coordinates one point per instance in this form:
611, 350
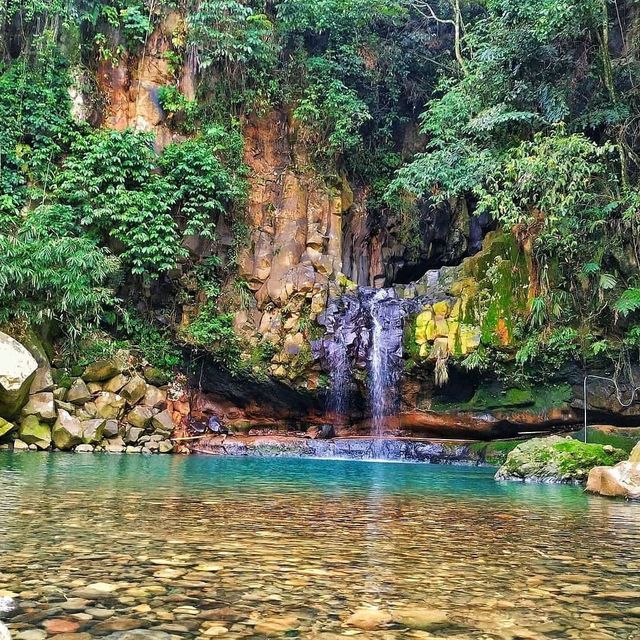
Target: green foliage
628, 302
153, 344
48, 272
36, 127
110, 178
214, 331
548, 189
230, 37
178, 107
207, 178
331, 113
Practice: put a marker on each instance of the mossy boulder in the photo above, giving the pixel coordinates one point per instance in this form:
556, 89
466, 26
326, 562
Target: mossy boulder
557, 460
32, 431
5, 427
103, 370
496, 452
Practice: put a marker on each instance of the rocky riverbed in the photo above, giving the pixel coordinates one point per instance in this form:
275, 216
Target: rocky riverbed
164, 548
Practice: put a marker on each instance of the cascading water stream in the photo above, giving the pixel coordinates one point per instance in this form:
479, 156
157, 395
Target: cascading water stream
386, 314
340, 377
365, 331
377, 378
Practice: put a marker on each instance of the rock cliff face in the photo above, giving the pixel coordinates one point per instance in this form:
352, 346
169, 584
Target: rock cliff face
311, 238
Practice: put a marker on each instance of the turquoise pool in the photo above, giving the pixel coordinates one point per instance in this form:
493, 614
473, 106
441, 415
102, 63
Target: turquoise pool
160, 547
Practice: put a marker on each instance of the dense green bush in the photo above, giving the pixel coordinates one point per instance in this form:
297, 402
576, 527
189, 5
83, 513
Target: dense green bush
49, 272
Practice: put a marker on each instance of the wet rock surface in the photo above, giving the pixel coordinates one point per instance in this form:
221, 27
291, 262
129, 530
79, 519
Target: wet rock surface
556, 460
344, 448
619, 481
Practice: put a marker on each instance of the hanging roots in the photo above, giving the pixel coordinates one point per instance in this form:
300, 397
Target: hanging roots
441, 371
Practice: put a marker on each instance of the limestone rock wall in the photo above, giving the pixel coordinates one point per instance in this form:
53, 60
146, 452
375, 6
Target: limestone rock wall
293, 252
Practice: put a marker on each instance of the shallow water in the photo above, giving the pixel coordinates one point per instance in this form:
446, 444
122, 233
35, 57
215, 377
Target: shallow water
247, 547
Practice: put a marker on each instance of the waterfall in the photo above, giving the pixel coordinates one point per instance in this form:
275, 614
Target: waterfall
364, 332
340, 378
385, 364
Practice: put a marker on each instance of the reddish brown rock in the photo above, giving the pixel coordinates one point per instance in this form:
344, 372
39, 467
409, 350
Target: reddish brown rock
55, 626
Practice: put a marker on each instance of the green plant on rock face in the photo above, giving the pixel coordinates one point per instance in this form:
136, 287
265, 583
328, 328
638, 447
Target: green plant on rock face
214, 331
331, 113
207, 178
36, 127
110, 179
49, 272
152, 343
628, 302
175, 103
231, 37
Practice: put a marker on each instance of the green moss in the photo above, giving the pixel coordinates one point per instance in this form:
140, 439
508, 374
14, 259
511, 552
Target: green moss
495, 397
625, 440
575, 455
494, 453
499, 293
556, 459
411, 347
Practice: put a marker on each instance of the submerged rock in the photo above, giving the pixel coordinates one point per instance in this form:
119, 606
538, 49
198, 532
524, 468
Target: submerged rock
420, 618
622, 480
556, 460
369, 618
8, 606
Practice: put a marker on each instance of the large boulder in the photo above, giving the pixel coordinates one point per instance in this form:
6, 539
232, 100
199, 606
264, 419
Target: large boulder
162, 423
32, 431
154, 397
134, 390
67, 431
93, 430
109, 405
41, 405
139, 416
622, 480
116, 383
78, 392
556, 459
43, 380
5, 427
17, 370
103, 370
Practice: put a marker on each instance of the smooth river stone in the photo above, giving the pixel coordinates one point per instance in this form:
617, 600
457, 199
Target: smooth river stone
215, 631
30, 634
369, 618
74, 604
60, 625
420, 618
117, 624
139, 634
276, 626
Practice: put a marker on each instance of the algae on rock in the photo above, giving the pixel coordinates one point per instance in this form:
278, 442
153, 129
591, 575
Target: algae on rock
556, 460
